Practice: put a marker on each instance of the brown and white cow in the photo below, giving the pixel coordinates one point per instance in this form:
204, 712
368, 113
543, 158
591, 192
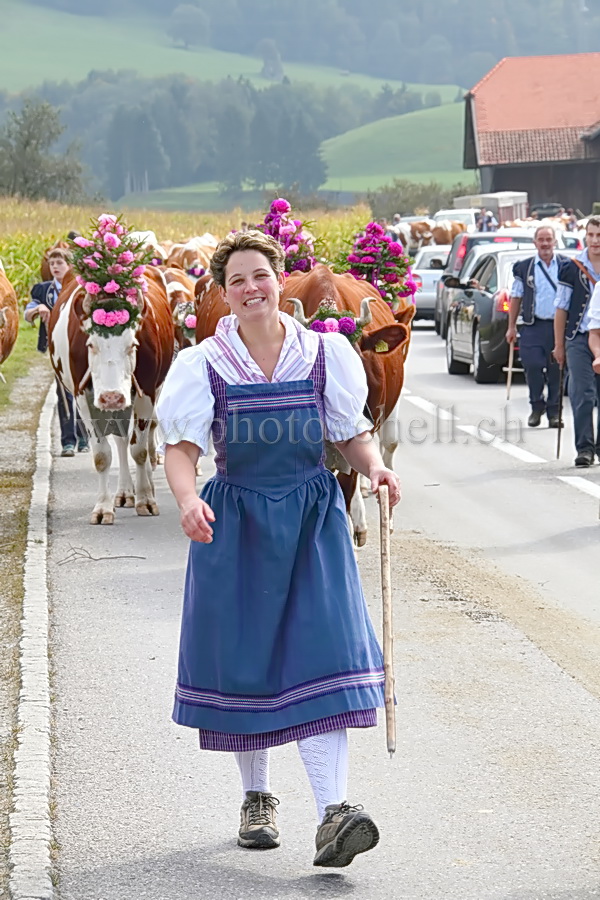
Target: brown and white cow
382, 347
9, 317
116, 379
180, 290
446, 230
195, 252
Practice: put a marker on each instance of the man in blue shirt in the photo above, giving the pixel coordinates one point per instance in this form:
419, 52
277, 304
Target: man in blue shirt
532, 296
571, 332
44, 296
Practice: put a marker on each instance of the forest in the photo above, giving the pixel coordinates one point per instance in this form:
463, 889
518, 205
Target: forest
430, 41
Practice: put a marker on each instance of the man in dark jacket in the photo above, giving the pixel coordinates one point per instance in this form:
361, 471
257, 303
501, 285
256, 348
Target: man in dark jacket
44, 295
533, 294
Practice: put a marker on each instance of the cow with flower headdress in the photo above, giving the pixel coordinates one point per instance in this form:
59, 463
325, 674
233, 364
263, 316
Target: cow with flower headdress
111, 342
374, 317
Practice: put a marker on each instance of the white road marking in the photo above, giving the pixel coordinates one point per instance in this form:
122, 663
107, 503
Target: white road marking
432, 408
485, 437
582, 484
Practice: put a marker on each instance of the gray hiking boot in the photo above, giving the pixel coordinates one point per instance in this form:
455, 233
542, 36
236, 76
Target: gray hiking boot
258, 828
344, 832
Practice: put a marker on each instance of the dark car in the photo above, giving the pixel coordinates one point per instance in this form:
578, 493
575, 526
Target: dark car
459, 256
478, 316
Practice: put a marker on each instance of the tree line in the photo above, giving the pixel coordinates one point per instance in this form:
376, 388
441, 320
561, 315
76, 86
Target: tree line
432, 41
138, 134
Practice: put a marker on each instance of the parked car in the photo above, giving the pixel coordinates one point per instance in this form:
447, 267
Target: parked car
461, 252
478, 315
427, 270
467, 216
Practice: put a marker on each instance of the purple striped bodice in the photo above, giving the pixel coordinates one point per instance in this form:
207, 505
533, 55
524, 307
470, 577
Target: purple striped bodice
218, 387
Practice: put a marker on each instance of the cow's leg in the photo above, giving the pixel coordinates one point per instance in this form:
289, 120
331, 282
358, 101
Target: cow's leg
124, 496
355, 506
104, 511
153, 453
145, 503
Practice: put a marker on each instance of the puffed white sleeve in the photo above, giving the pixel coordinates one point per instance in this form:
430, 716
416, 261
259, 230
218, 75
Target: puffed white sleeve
345, 393
185, 408
594, 308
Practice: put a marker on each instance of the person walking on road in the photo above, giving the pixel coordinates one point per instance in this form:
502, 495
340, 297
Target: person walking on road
73, 434
276, 642
532, 296
577, 278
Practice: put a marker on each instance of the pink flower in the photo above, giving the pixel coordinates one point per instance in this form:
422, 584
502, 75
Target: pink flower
111, 319
353, 258
115, 270
126, 257
92, 287
356, 273
331, 325
138, 271
99, 316
132, 295
112, 287
143, 285
90, 262
391, 278
122, 316
83, 242
293, 248
112, 241
367, 259
80, 280
395, 248
97, 255
280, 205
106, 220
190, 321
120, 229
287, 229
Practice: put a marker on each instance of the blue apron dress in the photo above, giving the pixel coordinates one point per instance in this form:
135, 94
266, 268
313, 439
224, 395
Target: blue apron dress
276, 641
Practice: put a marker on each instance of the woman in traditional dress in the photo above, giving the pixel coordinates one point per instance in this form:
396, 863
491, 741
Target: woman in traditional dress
276, 641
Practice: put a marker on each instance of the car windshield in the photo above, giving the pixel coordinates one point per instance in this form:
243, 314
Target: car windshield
507, 261
466, 218
424, 257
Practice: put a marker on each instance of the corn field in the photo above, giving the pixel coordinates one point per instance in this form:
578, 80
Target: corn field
27, 229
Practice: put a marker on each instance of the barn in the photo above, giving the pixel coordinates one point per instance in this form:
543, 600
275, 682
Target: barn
533, 124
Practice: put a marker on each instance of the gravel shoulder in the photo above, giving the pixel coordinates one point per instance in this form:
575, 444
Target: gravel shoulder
18, 424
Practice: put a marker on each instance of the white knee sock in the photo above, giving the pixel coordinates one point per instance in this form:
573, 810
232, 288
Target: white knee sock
325, 758
254, 769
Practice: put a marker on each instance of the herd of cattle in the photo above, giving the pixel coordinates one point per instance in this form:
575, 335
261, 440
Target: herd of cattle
116, 380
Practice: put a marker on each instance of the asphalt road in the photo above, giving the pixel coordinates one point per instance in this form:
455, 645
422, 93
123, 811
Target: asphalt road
493, 792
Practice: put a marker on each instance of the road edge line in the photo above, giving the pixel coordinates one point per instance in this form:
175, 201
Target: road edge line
30, 825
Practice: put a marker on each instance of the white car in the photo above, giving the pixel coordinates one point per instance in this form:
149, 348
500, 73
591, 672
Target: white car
427, 270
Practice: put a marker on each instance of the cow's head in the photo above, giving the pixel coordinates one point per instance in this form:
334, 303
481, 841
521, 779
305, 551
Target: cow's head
111, 359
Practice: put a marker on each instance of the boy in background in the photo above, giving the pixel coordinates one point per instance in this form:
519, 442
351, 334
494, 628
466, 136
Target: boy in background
44, 295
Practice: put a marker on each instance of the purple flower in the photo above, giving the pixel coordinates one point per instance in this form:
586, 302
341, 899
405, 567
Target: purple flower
383, 293
280, 206
391, 278
367, 259
356, 273
395, 248
346, 325
301, 265
318, 325
353, 258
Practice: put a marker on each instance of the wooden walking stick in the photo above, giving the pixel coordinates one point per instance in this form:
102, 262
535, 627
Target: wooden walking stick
511, 359
388, 630
561, 391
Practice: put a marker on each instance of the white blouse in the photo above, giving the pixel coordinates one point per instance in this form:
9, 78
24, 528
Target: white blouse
185, 408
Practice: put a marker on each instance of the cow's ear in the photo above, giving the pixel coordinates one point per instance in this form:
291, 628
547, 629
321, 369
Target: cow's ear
405, 316
385, 339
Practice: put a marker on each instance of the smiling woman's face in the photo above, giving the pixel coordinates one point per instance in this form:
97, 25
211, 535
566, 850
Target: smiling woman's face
252, 288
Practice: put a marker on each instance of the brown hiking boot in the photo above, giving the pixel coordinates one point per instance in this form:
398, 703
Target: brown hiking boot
344, 832
258, 829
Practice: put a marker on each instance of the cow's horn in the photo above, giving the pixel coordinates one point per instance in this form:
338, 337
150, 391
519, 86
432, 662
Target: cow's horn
298, 311
365, 312
87, 304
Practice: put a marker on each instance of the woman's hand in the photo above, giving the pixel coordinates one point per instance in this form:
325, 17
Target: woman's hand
195, 517
381, 475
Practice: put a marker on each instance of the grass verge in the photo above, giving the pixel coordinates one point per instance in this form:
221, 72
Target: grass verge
19, 362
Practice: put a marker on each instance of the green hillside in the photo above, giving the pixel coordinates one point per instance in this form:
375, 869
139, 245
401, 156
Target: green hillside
37, 44
420, 146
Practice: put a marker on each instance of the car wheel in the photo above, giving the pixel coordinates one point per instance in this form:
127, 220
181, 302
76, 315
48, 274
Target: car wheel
482, 372
455, 367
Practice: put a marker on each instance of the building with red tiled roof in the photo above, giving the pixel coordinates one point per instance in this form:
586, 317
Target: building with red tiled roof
533, 124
